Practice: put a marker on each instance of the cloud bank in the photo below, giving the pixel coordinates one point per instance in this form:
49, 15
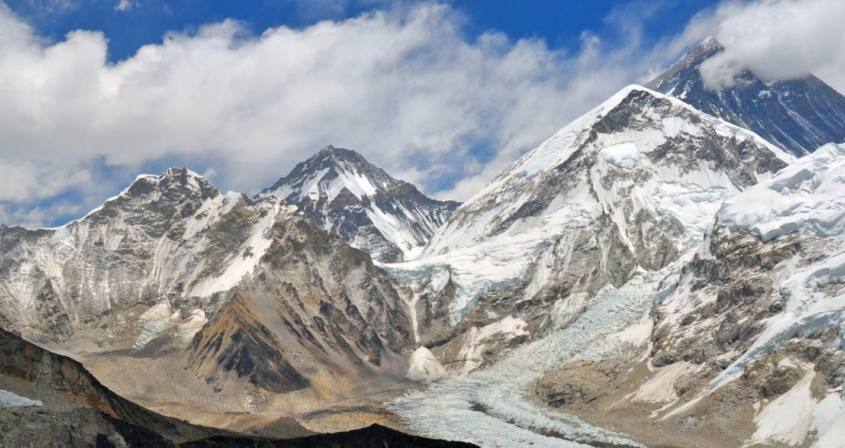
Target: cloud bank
405, 86
778, 39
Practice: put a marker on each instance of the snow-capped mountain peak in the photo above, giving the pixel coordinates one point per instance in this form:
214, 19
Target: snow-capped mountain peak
628, 187
328, 173
345, 194
634, 125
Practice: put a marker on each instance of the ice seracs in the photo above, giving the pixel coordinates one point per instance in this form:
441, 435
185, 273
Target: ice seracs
807, 197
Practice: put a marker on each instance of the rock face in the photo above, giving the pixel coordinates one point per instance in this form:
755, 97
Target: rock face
313, 306
626, 188
345, 194
798, 115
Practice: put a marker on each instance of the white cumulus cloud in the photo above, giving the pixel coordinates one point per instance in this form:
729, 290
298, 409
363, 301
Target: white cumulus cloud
778, 39
406, 87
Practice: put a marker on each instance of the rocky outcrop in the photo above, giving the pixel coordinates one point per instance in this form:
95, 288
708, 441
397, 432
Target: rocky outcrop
75, 409
313, 305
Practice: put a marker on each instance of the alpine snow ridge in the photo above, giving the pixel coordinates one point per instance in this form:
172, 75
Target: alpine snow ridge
345, 194
799, 115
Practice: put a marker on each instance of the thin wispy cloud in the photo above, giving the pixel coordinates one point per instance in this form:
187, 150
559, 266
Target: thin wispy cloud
125, 5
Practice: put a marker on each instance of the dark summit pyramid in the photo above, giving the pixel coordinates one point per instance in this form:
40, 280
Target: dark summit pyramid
343, 193
798, 115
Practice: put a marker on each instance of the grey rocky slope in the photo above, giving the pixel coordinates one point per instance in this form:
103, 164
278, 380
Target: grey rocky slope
217, 293
798, 115
625, 189
314, 308
345, 194
744, 347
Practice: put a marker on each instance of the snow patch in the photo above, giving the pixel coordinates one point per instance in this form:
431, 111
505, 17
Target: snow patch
636, 334
660, 388
161, 318
509, 327
788, 418
245, 260
10, 399
622, 155
424, 366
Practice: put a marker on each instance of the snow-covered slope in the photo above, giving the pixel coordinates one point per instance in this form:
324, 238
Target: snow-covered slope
622, 188
761, 307
345, 194
733, 331
799, 115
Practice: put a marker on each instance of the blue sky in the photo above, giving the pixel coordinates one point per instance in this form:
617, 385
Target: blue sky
560, 23
442, 94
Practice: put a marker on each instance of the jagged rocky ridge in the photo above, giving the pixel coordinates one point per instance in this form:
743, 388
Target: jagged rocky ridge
798, 115
343, 193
